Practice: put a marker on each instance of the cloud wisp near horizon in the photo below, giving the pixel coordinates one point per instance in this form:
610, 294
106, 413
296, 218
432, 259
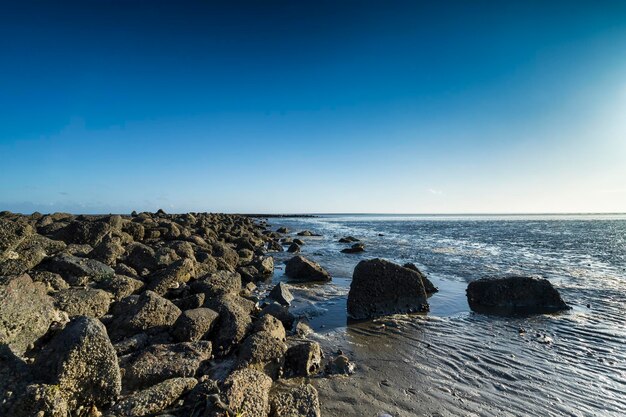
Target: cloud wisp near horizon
313, 107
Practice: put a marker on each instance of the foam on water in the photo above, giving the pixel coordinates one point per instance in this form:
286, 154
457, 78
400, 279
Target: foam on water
455, 362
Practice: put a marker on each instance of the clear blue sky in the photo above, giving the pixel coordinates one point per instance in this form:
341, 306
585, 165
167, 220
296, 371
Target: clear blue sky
295, 106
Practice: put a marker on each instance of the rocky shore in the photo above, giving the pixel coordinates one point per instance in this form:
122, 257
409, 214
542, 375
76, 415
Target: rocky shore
157, 314
151, 314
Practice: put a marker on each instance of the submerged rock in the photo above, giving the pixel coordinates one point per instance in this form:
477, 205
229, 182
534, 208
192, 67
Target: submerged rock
302, 269
293, 248
514, 295
356, 248
380, 288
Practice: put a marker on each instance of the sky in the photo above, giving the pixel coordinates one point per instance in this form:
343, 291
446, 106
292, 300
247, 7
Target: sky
313, 106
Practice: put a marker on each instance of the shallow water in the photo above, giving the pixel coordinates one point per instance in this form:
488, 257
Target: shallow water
452, 361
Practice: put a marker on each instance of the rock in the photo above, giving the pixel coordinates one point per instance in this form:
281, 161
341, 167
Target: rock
140, 257
12, 234
26, 312
301, 401
307, 233
283, 230
107, 251
274, 246
356, 248
264, 352
171, 277
280, 312
15, 375
340, 365
164, 361
83, 302
120, 286
247, 392
281, 294
226, 253
514, 295
245, 256
84, 232
428, 286
81, 362
348, 239
271, 325
248, 273
194, 324
380, 288
218, 284
54, 282
233, 324
293, 248
190, 302
302, 329
266, 266
304, 359
154, 399
28, 254
302, 269
131, 344
41, 400
78, 271
134, 229
147, 312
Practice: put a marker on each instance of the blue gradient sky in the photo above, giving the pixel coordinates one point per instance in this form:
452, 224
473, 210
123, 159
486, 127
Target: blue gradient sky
348, 106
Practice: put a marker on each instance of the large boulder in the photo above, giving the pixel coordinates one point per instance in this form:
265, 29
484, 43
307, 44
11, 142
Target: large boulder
380, 288
83, 302
81, 362
164, 361
514, 295
301, 401
26, 312
12, 234
140, 257
147, 312
281, 294
153, 399
301, 269
356, 248
247, 392
84, 232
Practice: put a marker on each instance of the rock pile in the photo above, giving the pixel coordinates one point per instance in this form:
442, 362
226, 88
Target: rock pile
148, 314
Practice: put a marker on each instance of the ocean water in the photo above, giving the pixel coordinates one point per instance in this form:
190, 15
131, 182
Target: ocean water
455, 362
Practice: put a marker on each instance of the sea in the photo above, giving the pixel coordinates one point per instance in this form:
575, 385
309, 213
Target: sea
452, 361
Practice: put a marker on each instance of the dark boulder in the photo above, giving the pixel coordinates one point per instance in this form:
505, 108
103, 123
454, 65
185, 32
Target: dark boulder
514, 295
302, 269
380, 288
171, 277
293, 248
282, 230
356, 248
281, 294
83, 302
348, 239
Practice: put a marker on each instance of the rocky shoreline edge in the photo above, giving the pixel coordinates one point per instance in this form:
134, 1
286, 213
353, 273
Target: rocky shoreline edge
157, 314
